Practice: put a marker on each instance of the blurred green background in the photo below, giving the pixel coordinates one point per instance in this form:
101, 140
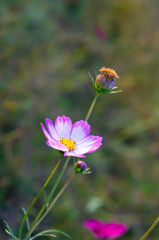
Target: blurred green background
47, 49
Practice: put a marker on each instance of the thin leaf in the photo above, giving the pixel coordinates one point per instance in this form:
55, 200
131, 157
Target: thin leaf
2, 224
27, 219
50, 235
9, 231
43, 235
11, 234
51, 231
45, 197
91, 77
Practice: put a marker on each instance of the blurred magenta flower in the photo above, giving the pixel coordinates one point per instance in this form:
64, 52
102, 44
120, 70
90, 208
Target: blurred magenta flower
99, 31
72, 139
103, 230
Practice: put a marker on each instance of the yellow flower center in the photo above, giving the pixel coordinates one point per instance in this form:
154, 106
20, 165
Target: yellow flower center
68, 143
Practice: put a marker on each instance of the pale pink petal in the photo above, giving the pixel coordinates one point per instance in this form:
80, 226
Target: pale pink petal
47, 143
63, 126
80, 130
51, 129
90, 140
47, 135
73, 154
84, 150
57, 145
88, 145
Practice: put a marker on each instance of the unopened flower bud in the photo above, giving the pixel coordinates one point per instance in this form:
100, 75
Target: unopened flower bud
105, 81
80, 167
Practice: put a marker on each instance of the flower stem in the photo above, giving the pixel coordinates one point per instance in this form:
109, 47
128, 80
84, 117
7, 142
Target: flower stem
48, 199
150, 229
53, 202
38, 195
39, 216
92, 106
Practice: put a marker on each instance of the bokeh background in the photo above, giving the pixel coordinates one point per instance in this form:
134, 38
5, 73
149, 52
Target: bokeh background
47, 49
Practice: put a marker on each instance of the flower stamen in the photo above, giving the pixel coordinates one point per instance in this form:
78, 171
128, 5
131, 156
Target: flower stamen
108, 73
68, 143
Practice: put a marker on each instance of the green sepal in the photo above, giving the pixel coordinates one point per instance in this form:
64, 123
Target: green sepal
87, 171
101, 90
116, 91
105, 91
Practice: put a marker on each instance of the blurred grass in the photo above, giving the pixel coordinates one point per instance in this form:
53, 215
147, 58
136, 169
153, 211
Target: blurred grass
47, 49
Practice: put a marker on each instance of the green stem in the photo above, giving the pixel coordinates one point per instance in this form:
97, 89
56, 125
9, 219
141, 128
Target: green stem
36, 222
38, 195
92, 106
150, 229
48, 198
53, 202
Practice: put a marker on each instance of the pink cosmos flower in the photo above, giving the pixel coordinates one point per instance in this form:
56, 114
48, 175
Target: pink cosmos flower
103, 230
72, 139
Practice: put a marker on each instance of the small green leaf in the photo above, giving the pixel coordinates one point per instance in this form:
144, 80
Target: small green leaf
116, 91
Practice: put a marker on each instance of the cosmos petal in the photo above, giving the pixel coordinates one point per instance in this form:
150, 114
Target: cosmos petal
73, 154
47, 135
51, 129
88, 145
63, 126
80, 130
57, 145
